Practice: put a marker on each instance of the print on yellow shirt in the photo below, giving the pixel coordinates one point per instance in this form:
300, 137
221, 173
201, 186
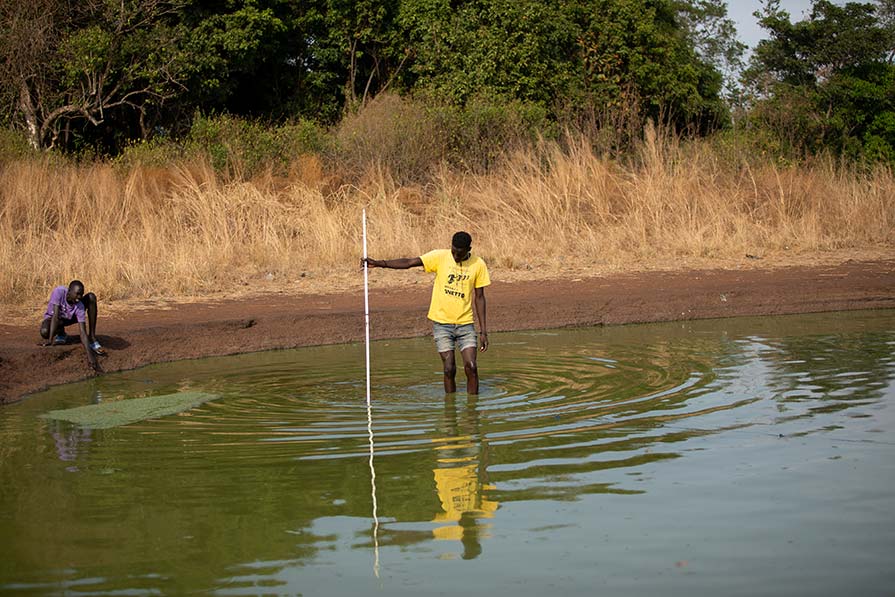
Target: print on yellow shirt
455, 285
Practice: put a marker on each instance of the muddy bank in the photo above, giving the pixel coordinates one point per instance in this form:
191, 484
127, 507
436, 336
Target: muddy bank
282, 321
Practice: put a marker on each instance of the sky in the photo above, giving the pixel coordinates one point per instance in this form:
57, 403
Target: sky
747, 25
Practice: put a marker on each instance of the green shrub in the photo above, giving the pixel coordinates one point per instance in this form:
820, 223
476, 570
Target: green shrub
879, 141
412, 137
157, 152
14, 145
303, 136
242, 148
481, 131
392, 132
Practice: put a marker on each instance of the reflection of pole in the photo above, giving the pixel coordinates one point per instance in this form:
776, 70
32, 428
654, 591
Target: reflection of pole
370, 404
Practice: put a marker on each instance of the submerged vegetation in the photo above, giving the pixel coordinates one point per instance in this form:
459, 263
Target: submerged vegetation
106, 415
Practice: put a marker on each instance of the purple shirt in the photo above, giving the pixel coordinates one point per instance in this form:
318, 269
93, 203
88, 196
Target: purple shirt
66, 310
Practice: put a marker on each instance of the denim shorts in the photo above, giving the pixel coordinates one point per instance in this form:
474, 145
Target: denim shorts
449, 336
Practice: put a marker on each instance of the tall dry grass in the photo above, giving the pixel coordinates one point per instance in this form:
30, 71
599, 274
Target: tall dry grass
674, 200
180, 230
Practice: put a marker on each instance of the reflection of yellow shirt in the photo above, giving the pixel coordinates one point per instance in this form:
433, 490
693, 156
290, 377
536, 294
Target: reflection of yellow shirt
455, 284
460, 493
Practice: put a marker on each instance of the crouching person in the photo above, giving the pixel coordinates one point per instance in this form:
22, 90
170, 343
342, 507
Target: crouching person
70, 306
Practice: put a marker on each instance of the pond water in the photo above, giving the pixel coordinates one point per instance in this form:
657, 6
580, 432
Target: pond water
734, 457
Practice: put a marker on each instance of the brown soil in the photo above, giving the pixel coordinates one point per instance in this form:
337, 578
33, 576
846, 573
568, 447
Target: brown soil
137, 337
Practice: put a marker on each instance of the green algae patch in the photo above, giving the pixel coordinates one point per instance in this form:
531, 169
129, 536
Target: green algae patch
125, 412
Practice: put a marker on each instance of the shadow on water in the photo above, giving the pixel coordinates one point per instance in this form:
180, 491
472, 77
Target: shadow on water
268, 487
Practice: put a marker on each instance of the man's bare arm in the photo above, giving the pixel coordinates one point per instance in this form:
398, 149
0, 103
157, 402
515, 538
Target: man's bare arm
405, 263
91, 357
482, 317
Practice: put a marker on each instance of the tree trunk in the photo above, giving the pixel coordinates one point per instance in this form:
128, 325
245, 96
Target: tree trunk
32, 128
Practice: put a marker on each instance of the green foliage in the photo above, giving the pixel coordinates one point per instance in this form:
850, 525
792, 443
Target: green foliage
832, 38
362, 45
242, 148
225, 44
586, 52
86, 74
234, 146
156, 152
638, 47
413, 138
879, 139
132, 70
84, 51
826, 83
482, 131
511, 49
714, 37
712, 33
13, 145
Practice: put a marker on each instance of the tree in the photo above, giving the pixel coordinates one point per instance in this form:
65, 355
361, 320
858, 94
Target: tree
713, 35
827, 82
101, 72
251, 57
365, 35
64, 64
509, 49
580, 52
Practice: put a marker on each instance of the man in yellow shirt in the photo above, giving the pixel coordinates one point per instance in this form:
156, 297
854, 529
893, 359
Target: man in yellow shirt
460, 280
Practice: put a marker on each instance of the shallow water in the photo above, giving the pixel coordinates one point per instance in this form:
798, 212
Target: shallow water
735, 457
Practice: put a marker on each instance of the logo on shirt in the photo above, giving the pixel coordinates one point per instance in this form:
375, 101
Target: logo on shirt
457, 278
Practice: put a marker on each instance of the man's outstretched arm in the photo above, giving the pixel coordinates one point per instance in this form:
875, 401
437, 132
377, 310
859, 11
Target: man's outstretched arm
91, 357
405, 263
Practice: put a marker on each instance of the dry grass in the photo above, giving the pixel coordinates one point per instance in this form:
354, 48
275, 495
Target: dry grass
183, 230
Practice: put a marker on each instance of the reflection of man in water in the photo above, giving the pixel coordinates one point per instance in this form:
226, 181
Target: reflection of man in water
460, 480
71, 439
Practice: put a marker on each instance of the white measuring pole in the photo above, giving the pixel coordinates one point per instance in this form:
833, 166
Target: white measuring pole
366, 305
369, 402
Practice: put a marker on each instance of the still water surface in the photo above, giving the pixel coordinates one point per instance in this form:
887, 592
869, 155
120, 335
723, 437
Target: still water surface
734, 457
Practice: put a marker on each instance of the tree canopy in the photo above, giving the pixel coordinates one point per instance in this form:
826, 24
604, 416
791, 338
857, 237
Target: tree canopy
828, 81
104, 71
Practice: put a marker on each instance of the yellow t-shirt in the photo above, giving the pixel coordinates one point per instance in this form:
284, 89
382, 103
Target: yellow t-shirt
455, 284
